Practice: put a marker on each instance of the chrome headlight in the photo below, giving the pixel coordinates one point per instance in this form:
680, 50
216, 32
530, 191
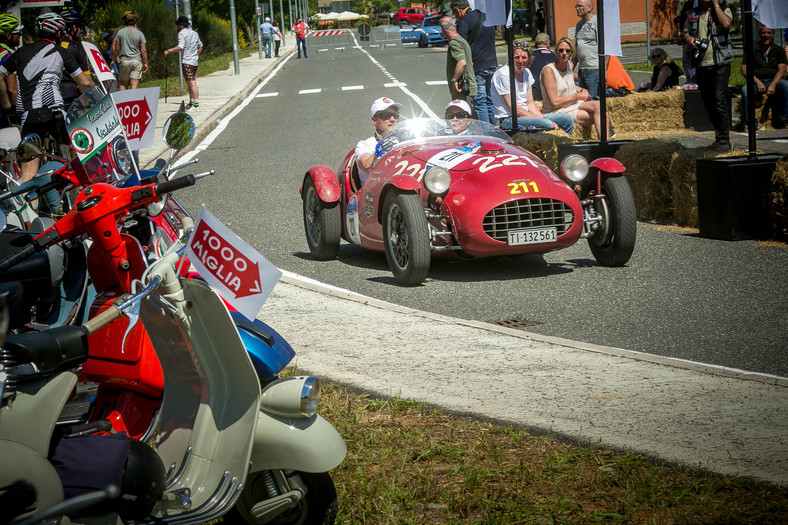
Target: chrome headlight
437, 180
121, 157
292, 397
574, 168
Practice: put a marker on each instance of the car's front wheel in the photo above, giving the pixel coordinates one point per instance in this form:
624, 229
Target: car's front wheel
422, 42
406, 238
322, 224
613, 243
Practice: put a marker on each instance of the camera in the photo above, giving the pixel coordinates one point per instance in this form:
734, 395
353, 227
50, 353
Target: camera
700, 48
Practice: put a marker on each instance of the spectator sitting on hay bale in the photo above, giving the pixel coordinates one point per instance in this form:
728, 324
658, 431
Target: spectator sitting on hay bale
665, 75
769, 68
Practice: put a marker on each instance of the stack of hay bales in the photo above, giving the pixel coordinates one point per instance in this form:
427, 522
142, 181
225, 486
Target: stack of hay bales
779, 201
642, 113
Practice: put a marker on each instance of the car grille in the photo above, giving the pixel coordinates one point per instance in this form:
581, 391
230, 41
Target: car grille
527, 213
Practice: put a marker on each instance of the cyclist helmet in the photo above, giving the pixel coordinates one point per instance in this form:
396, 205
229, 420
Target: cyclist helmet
50, 23
8, 23
72, 18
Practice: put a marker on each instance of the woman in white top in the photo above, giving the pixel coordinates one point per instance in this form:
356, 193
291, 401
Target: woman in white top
561, 95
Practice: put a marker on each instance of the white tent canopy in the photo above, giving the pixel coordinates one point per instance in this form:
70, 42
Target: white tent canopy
327, 16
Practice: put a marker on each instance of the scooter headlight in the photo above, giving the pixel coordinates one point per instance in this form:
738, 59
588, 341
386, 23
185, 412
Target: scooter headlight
437, 180
574, 168
292, 397
121, 157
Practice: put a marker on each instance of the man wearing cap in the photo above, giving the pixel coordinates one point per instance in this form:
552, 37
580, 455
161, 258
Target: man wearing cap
542, 57
385, 113
267, 30
189, 42
458, 116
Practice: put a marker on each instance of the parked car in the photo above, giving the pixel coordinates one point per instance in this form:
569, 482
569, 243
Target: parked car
410, 15
462, 188
428, 33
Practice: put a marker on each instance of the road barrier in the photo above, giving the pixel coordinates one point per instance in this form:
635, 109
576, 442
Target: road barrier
324, 40
383, 37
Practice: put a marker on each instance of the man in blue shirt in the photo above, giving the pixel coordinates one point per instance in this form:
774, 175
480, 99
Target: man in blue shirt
470, 26
268, 32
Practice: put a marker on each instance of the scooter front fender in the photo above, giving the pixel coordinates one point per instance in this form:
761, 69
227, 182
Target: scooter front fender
304, 444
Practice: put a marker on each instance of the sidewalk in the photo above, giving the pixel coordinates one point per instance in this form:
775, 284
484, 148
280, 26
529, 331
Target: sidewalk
721, 420
220, 92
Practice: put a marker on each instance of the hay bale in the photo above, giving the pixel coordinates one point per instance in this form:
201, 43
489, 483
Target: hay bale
649, 163
543, 144
764, 113
683, 176
779, 200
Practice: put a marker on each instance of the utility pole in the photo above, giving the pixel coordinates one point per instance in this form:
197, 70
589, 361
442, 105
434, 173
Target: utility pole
257, 30
235, 37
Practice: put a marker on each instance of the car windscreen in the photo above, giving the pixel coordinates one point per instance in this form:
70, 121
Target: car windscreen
427, 129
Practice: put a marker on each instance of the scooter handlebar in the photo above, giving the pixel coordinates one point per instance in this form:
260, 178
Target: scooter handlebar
101, 320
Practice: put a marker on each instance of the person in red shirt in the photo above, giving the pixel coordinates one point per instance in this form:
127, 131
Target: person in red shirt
300, 30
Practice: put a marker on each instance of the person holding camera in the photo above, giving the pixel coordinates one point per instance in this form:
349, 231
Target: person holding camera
459, 68
707, 31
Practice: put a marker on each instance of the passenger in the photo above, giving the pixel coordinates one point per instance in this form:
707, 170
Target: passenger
563, 96
527, 114
385, 113
458, 116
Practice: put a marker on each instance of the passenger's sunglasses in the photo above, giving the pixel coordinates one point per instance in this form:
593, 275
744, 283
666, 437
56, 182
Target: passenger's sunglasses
460, 114
386, 115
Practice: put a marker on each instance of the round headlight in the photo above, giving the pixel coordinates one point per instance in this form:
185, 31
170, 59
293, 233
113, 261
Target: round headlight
121, 157
437, 180
574, 168
310, 396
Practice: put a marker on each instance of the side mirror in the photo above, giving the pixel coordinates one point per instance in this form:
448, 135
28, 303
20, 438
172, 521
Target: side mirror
30, 148
178, 130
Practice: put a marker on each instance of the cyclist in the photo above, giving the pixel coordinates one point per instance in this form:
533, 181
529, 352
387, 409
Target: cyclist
71, 42
10, 32
39, 68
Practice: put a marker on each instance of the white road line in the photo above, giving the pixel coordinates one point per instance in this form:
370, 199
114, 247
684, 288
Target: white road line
352, 88
426, 111
271, 94
436, 82
310, 91
394, 84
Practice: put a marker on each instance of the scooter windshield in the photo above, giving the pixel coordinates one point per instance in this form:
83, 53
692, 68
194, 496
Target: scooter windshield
98, 137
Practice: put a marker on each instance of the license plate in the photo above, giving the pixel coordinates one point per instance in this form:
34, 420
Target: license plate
532, 236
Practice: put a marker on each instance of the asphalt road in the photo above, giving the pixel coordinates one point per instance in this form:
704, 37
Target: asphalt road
680, 296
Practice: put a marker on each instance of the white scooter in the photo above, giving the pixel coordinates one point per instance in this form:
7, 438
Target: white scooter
222, 445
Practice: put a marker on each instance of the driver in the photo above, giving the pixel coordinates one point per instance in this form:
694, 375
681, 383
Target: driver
458, 116
385, 113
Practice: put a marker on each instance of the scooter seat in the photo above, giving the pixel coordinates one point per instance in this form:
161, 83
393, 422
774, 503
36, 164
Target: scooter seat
12, 295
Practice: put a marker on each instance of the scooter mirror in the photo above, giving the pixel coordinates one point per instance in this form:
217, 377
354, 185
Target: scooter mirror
30, 148
178, 130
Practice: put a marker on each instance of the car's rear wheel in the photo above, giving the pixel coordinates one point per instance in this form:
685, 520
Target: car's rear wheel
406, 238
613, 243
322, 224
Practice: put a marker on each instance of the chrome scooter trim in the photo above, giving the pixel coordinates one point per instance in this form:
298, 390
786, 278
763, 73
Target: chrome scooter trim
223, 498
185, 463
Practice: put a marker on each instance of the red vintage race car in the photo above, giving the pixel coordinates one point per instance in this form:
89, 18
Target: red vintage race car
462, 188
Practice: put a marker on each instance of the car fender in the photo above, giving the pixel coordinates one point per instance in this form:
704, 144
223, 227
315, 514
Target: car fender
404, 183
326, 183
608, 165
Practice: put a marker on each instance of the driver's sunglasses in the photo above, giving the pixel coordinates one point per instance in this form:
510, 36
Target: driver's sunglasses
386, 115
460, 114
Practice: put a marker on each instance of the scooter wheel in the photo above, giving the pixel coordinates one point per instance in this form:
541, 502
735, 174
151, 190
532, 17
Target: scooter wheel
318, 506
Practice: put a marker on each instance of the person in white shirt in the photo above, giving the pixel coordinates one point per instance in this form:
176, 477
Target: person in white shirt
385, 113
189, 42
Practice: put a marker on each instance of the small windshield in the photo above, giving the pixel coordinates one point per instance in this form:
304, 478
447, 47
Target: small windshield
422, 129
83, 103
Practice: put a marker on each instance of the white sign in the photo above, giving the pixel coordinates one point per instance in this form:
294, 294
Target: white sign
230, 266
99, 66
42, 3
94, 130
137, 110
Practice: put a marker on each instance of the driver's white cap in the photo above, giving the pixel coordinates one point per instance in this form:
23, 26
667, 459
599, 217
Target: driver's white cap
383, 103
458, 103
